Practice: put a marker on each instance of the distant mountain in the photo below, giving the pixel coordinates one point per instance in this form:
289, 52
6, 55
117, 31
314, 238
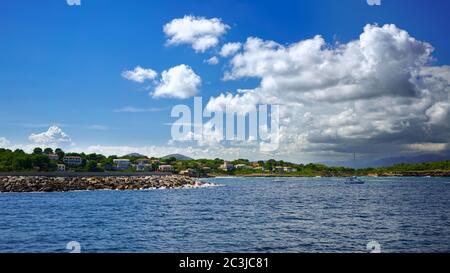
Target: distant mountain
388, 161
178, 157
134, 155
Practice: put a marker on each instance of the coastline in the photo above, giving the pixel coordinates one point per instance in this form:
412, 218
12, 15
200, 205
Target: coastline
73, 181
386, 174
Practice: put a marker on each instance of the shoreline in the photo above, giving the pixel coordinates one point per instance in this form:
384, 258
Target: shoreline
404, 174
432, 173
64, 182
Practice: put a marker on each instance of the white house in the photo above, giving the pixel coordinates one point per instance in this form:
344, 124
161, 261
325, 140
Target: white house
73, 160
61, 168
165, 168
285, 169
53, 157
188, 172
143, 167
227, 166
206, 169
121, 164
242, 167
289, 169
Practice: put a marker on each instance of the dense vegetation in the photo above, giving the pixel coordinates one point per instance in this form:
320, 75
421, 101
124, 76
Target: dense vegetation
18, 160
419, 167
38, 160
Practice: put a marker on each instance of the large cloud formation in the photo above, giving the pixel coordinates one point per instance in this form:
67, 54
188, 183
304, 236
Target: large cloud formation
200, 32
53, 136
377, 93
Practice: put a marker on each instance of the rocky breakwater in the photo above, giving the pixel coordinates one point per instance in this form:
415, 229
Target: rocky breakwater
60, 184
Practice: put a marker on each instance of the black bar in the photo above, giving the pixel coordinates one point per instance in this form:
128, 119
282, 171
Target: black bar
224, 262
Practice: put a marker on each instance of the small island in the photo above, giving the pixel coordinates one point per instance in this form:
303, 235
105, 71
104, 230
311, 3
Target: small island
54, 170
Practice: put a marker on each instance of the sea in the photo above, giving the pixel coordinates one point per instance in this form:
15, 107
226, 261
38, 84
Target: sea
257, 215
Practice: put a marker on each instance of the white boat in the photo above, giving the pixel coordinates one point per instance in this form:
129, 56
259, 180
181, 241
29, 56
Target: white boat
354, 180
279, 180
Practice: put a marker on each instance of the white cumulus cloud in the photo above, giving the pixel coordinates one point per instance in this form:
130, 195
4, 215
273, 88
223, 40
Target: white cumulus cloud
178, 82
199, 32
4, 143
230, 49
54, 135
213, 60
139, 74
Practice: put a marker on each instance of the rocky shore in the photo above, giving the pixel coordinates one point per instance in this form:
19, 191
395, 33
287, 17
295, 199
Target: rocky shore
419, 174
60, 184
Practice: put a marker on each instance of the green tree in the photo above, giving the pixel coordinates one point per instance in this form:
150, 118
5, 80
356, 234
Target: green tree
42, 163
60, 153
270, 164
48, 151
170, 160
92, 166
22, 163
37, 151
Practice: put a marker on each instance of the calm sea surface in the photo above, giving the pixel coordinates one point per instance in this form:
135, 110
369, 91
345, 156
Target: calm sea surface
241, 215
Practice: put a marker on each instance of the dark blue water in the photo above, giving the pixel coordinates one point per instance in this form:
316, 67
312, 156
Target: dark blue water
243, 215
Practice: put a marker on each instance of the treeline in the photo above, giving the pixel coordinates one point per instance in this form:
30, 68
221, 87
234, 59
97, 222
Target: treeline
18, 160
418, 167
203, 166
39, 160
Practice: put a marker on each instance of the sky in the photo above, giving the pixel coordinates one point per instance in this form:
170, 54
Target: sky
103, 75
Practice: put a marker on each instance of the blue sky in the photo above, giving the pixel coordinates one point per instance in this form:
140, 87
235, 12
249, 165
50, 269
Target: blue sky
62, 64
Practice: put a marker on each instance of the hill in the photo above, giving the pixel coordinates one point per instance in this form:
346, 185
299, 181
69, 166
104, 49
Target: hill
178, 157
134, 155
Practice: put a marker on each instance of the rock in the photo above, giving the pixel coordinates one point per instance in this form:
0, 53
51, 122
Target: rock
48, 184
